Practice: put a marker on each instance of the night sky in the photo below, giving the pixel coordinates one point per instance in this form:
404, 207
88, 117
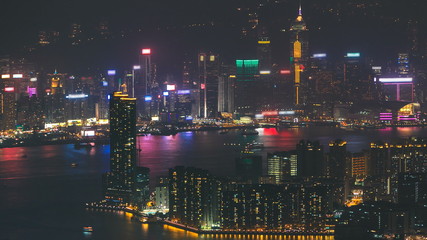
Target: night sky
379, 30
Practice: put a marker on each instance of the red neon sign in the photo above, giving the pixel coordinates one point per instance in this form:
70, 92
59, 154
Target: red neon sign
285, 72
9, 89
270, 113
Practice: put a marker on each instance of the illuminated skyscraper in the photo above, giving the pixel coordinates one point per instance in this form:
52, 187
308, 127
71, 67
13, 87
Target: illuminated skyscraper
143, 81
299, 52
121, 178
209, 68
247, 88
278, 165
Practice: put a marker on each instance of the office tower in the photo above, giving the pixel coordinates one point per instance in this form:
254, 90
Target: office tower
194, 198
356, 80
264, 52
298, 53
121, 178
247, 87
252, 207
249, 168
77, 106
183, 103
226, 88
310, 159
279, 166
143, 82
359, 165
55, 97
337, 166
209, 72
403, 64
8, 104
102, 111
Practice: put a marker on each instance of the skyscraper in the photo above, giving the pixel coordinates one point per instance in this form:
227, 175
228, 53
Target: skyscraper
209, 68
121, 178
299, 52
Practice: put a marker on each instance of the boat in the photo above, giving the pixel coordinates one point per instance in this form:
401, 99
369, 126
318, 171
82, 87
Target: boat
256, 145
87, 229
84, 145
74, 164
249, 131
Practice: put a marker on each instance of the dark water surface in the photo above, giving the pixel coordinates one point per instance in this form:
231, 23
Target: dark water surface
42, 196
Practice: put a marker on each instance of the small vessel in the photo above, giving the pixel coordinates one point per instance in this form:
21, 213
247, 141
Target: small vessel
250, 131
87, 229
255, 145
84, 145
74, 164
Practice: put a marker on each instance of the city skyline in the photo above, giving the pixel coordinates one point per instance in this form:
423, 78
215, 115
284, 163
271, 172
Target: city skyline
221, 119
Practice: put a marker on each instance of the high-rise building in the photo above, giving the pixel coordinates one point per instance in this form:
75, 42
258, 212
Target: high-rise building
194, 198
247, 87
359, 165
209, 72
226, 88
252, 206
279, 166
310, 159
144, 82
299, 53
121, 178
141, 189
337, 166
249, 168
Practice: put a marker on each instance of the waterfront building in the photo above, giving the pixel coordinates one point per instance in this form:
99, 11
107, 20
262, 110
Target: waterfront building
209, 72
194, 198
162, 194
141, 189
252, 207
121, 178
247, 86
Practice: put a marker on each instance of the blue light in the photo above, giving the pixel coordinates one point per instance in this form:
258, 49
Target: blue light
184, 92
104, 83
111, 72
189, 118
148, 98
108, 96
165, 93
